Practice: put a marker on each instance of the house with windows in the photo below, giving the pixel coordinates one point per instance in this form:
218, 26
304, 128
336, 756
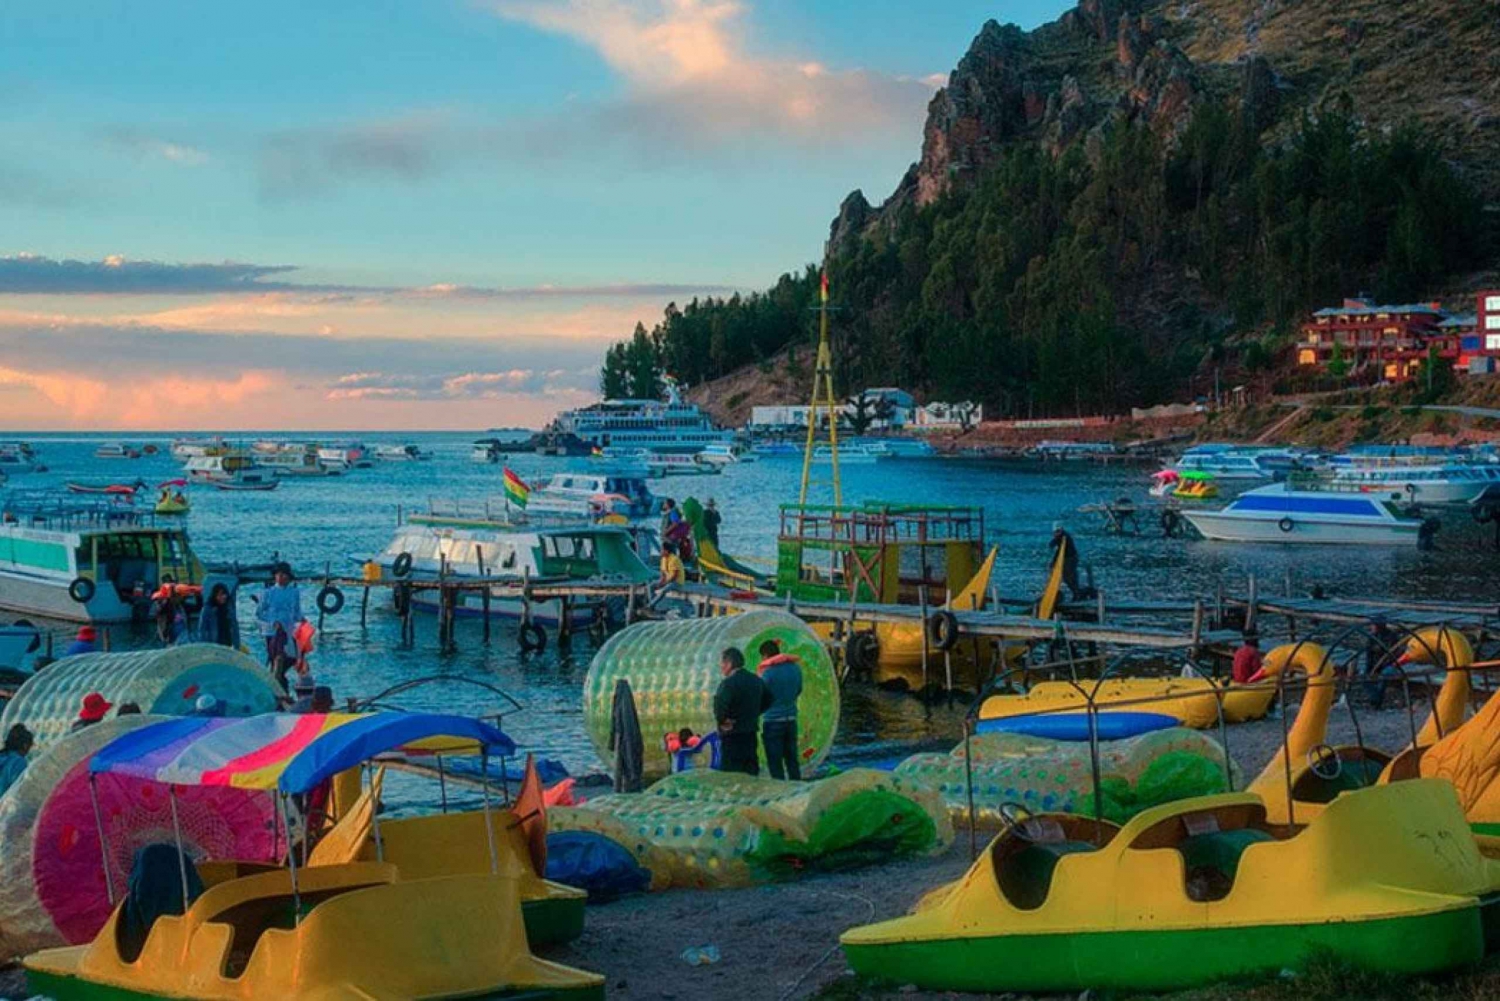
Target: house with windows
1393, 342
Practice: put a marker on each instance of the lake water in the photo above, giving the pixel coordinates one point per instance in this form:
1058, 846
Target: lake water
330, 521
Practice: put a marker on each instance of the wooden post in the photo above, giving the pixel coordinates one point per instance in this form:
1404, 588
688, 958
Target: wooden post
1252, 610
564, 617
484, 609
1197, 626
630, 605
1100, 596
105, 645
922, 602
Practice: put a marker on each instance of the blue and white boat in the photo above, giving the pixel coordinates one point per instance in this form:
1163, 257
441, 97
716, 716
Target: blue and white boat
1426, 481
1279, 512
1238, 464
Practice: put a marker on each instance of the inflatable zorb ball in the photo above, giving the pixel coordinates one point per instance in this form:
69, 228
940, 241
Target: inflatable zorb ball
673, 670
166, 682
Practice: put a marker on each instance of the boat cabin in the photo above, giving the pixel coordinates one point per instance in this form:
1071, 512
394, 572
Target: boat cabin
877, 553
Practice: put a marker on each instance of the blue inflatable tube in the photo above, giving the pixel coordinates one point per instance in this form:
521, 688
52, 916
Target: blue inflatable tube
1075, 726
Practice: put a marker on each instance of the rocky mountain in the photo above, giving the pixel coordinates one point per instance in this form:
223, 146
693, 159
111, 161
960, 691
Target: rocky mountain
1107, 63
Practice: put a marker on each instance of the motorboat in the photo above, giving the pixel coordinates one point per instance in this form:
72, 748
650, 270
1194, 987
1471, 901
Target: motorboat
680, 464
183, 449
445, 906
1071, 451
401, 453
590, 495
777, 450
254, 479
428, 551
345, 455
899, 448
849, 455
1421, 481
86, 559
1333, 513
19, 457
1238, 464
215, 468
297, 462
117, 450
486, 450
725, 454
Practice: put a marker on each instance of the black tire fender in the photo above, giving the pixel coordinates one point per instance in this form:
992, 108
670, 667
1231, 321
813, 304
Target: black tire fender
330, 600
1286, 524
82, 590
402, 565
533, 638
942, 629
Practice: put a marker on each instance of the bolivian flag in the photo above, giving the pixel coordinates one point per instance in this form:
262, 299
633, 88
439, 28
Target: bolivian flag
516, 490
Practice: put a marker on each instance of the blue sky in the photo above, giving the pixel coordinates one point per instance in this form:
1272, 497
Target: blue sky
626, 151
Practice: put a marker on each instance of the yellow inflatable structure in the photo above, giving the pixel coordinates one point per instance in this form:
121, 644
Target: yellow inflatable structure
1194, 702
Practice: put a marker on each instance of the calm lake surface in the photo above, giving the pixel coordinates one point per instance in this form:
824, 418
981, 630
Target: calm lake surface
331, 521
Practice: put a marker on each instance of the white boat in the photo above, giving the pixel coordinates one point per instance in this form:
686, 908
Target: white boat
254, 479
345, 455
183, 449
580, 552
1237, 465
217, 468
1071, 451
486, 450
81, 559
900, 448
298, 462
117, 451
590, 495
678, 464
401, 453
1419, 482
725, 454
1279, 513
669, 425
18, 457
777, 450
849, 455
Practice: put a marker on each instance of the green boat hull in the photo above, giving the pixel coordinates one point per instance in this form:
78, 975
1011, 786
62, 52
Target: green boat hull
553, 921
1172, 960
61, 988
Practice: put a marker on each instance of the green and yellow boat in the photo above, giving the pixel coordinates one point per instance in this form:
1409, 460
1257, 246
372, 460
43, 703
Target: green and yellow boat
1386, 878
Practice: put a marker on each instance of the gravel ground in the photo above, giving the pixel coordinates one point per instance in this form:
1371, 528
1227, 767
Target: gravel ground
778, 942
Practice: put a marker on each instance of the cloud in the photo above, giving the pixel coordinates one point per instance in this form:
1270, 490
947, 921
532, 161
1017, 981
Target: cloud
690, 75
24, 186
462, 385
301, 161
80, 399
150, 147
33, 274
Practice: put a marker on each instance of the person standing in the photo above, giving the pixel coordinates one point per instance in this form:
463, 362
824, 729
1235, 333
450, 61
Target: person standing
18, 741
217, 623
1061, 540
738, 703
278, 613
712, 519
782, 675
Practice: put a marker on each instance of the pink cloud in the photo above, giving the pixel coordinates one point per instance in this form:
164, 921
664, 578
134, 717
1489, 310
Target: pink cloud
168, 402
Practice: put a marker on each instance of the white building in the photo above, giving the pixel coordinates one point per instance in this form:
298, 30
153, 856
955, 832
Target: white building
948, 416
896, 410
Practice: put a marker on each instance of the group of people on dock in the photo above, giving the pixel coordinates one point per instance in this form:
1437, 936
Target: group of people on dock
758, 708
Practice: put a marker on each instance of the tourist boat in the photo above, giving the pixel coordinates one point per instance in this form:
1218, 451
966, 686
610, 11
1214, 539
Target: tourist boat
1194, 892
849, 455
433, 907
428, 551
1422, 481
117, 450
254, 479
1237, 464
777, 450
298, 461
345, 455
899, 448
1279, 513
669, 425
214, 468
18, 457
486, 450
680, 464
401, 453
592, 495
86, 560
725, 454
1071, 451
183, 449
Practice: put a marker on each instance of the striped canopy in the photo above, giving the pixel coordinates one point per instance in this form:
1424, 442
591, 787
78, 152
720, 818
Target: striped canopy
286, 752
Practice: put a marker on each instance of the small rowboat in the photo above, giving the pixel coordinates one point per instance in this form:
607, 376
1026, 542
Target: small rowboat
112, 489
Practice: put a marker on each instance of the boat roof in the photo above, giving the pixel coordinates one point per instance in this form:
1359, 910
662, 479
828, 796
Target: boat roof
286, 752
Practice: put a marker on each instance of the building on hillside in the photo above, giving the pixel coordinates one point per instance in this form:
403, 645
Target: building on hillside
888, 409
1392, 342
1487, 321
937, 417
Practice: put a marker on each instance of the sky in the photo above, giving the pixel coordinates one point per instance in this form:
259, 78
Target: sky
418, 214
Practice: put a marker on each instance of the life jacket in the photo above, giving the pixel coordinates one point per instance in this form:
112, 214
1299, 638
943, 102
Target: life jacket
780, 658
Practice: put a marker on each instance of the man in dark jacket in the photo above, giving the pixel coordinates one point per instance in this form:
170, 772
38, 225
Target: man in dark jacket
782, 675
738, 703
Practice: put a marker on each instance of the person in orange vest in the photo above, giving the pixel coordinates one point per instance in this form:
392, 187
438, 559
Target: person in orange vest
782, 675
1247, 660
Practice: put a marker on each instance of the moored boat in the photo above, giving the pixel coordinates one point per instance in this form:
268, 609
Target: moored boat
222, 467
117, 450
680, 464
401, 453
1279, 513
255, 479
591, 495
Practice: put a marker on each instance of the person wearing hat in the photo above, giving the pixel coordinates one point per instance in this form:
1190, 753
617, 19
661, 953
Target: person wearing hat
304, 688
1061, 540
1247, 660
278, 612
87, 641
207, 705
92, 711
711, 521
217, 622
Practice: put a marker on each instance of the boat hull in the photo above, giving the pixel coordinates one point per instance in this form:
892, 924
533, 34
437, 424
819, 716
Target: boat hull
64, 988
1153, 960
1219, 527
47, 598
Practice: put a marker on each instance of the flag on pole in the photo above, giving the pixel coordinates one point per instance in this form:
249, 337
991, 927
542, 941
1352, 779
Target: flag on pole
824, 287
516, 490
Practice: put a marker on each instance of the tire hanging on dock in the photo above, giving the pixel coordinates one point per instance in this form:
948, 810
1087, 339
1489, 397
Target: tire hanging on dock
330, 600
862, 652
81, 590
942, 629
532, 637
402, 565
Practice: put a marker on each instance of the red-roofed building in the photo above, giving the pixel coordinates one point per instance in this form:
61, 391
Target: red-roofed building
1393, 340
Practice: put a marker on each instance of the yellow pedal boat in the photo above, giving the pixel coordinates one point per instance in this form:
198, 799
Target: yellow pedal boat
1196, 891
1194, 702
431, 916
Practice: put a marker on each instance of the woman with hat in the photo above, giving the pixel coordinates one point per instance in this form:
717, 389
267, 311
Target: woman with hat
92, 711
87, 641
